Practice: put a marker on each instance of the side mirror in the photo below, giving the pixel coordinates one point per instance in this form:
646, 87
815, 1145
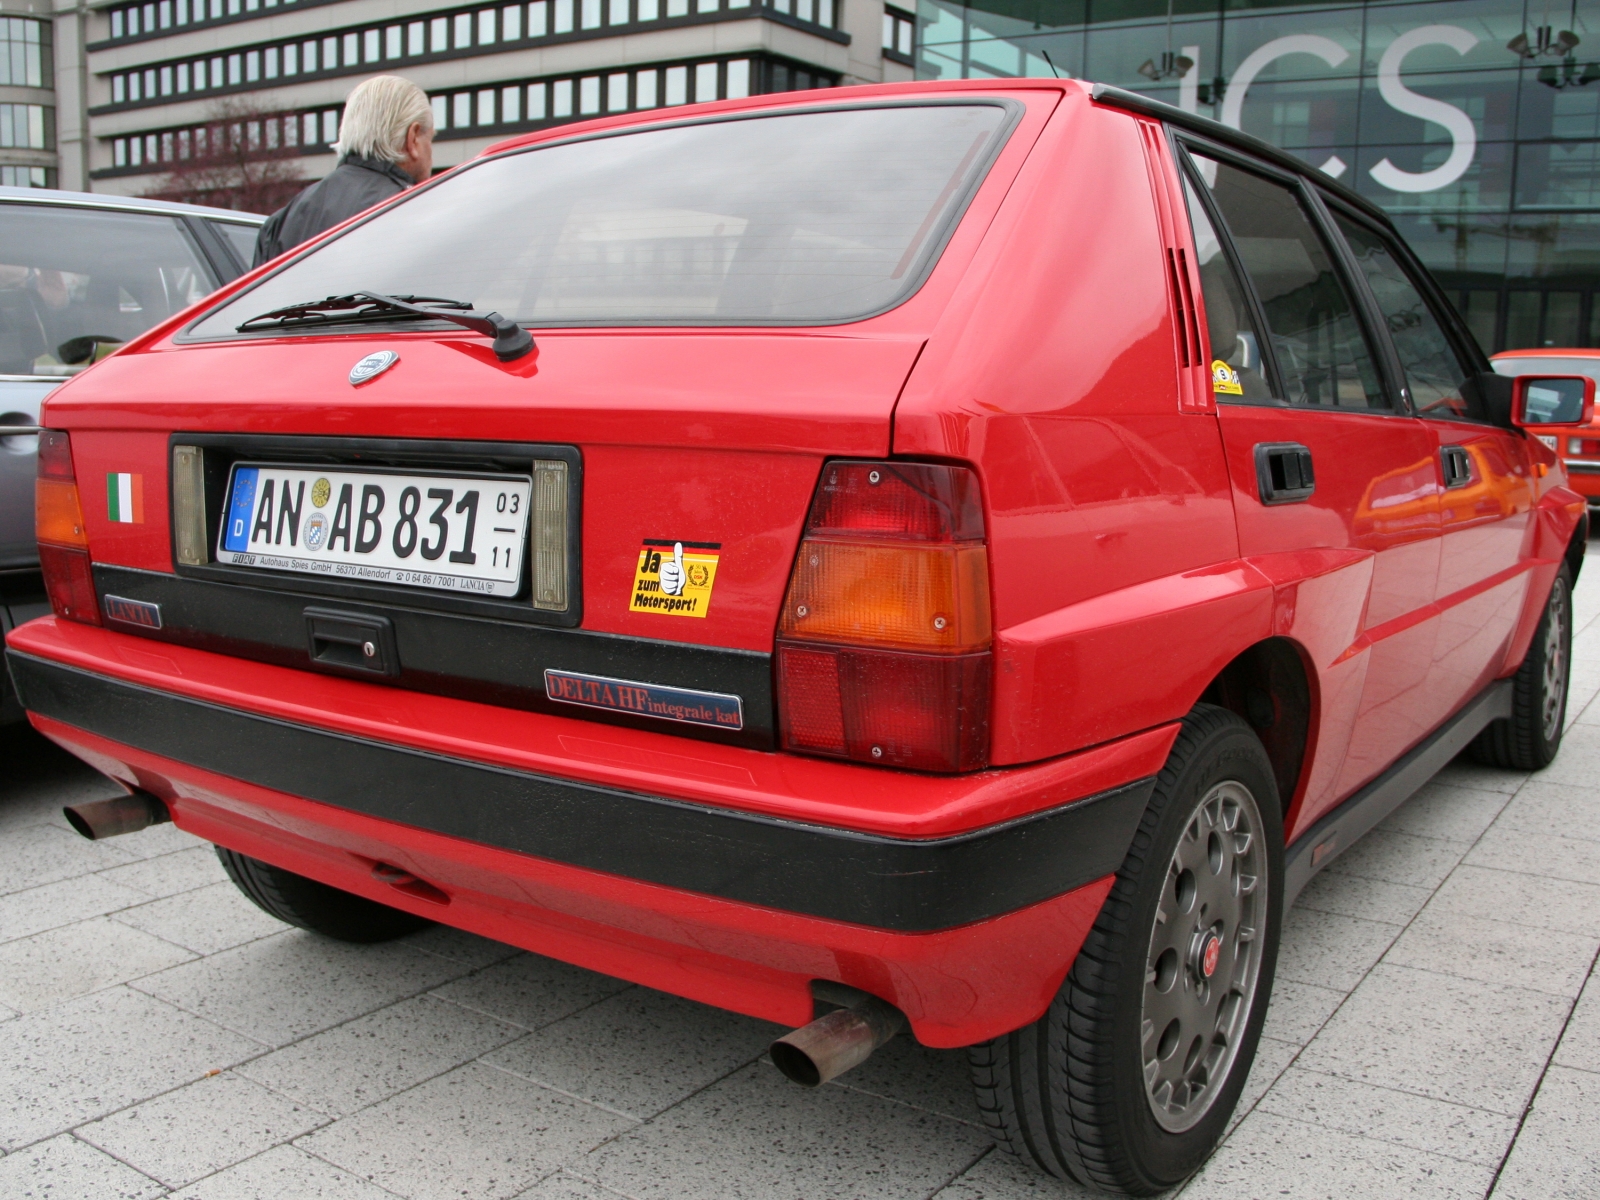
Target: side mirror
1540, 402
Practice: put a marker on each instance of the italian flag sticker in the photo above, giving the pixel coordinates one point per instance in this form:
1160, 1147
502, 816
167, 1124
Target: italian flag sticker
125, 498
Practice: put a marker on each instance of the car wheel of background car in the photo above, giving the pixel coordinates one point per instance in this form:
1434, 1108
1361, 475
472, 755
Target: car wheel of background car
1529, 738
316, 906
1127, 1082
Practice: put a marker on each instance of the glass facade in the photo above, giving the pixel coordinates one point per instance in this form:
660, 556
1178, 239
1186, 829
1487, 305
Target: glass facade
1474, 123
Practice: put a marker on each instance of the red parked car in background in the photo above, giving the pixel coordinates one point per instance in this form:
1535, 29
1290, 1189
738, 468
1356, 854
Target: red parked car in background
1579, 448
958, 556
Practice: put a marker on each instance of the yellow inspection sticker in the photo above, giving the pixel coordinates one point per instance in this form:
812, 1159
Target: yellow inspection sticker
674, 578
1225, 379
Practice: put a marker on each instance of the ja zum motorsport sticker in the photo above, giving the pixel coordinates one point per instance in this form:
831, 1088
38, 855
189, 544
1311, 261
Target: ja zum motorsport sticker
674, 578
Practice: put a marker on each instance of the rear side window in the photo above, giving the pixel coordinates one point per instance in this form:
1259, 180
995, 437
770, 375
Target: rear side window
1434, 371
241, 240
74, 281
1236, 372
1322, 355
793, 218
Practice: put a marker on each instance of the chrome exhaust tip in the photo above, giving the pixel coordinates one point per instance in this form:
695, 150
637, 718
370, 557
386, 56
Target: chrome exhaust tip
99, 819
833, 1044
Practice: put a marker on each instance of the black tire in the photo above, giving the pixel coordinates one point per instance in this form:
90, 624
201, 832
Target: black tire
297, 900
1529, 738
1068, 1094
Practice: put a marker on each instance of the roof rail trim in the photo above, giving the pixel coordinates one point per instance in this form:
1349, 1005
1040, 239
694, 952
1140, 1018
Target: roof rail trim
1116, 97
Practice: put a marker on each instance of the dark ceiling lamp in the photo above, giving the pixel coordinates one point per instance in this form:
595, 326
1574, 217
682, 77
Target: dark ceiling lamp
1547, 43
1172, 66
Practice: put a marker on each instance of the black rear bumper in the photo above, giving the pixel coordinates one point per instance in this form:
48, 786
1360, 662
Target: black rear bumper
902, 884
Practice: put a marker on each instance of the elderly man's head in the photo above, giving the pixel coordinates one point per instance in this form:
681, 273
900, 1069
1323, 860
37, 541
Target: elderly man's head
390, 119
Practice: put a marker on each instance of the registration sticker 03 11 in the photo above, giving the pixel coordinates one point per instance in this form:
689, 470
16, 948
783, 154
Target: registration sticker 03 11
674, 578
448, 532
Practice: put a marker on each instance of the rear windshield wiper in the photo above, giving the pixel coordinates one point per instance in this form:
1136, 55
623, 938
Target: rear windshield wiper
511, 340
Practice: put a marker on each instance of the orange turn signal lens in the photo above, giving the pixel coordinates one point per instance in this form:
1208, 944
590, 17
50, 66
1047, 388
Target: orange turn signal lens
930, 598
58, 517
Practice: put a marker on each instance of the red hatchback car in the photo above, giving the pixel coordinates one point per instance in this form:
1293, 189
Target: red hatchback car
1579, 448
959, 556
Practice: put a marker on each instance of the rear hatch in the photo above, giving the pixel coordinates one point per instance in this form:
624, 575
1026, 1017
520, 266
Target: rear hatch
604, 527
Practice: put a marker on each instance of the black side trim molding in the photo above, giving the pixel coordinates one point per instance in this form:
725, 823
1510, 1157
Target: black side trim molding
888, 883
1344, 826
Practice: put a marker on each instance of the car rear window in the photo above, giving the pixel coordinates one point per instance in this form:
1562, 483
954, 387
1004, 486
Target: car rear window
75, 282
792, 218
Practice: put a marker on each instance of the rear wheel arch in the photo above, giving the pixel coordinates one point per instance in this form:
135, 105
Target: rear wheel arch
1272, 688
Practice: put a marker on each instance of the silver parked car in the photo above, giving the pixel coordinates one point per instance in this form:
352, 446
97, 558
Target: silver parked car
79, 275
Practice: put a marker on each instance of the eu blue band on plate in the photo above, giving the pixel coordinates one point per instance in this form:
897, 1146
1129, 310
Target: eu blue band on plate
716, 709
240, 508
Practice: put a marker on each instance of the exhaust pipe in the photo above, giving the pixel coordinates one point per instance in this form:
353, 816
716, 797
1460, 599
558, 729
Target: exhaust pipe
120, 814
831, 1045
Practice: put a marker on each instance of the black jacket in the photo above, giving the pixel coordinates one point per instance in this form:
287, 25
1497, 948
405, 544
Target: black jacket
356, 184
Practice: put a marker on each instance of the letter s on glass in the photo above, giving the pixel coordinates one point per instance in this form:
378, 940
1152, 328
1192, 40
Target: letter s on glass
1403, 99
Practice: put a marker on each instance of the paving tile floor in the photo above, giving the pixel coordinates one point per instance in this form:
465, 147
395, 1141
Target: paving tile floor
1434, 1032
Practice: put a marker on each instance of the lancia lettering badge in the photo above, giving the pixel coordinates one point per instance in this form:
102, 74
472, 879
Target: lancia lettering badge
372, 366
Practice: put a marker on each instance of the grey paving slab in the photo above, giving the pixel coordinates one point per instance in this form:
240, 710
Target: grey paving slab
755, 1135
1297, 1011
283, 1173
1562, 809
1580, 1043
1385, 1115
205, 920
1577, 764
199, 1129
53, 905
285, 987
190, 867
372, 1058
1542, 855
460, 946
937, 1080
1328, 950
39, 778
1522, 899
1447, 812
1463, 772
1462, 1040
1393, 856
64, 1168
48, 968
39, 854
999, 1176
89, 1057
1368, 899
1557, 1153
566, 1186
530, 990
160, 841
476, 1132
1451, 943
1272, 1059
637, 1052
1271, 1156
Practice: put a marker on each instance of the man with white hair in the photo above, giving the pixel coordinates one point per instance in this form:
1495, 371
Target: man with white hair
385, 146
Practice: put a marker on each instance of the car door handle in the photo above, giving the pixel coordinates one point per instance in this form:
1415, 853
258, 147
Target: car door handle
1456, 465
1284, 474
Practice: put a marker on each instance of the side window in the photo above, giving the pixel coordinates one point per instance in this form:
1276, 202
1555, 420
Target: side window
1434, 371
1235, 348
1321, 353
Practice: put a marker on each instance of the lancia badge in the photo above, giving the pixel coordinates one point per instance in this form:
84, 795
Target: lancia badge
372, 366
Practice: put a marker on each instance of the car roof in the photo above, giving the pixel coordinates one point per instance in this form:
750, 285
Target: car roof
1550, 352
50, 196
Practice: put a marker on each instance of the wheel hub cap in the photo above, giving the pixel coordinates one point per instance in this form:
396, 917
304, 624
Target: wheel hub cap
1205, 957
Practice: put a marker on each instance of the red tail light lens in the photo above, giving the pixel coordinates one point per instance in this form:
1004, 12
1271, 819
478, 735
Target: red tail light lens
63, 543
883, 646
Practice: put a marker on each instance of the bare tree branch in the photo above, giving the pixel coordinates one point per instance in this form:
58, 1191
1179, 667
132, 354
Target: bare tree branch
243, 158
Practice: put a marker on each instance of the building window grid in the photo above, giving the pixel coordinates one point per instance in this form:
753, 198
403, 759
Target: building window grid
503, 107
25, 57
437, 34
27, 127
899, 35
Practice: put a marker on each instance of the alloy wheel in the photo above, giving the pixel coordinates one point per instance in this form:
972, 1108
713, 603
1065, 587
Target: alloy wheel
1205, 956
1553, 701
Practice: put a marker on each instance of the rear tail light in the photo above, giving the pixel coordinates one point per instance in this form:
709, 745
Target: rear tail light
883, 646
63, 544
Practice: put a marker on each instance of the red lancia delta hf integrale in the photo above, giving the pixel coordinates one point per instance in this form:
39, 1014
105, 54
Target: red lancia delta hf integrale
946, 558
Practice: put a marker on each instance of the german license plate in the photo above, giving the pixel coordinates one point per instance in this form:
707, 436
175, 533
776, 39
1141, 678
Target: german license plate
459, 533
